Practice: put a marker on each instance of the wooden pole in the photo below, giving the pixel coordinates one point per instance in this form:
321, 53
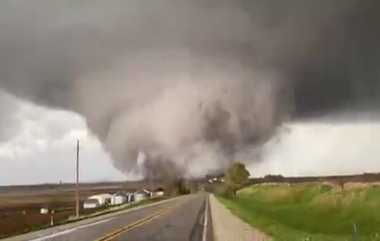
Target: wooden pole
77, 184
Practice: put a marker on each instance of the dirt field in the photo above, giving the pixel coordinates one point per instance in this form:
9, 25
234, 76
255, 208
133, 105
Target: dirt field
20, 206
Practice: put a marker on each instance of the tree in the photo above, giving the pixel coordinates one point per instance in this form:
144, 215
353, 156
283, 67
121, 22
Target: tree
182, 187
236, 177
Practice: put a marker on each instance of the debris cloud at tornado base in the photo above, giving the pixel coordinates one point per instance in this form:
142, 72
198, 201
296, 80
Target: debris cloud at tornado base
190, 86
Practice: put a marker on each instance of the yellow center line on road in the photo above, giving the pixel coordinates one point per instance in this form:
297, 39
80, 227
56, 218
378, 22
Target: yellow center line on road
116, 233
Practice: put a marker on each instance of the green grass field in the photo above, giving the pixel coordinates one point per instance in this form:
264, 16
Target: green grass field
312, 212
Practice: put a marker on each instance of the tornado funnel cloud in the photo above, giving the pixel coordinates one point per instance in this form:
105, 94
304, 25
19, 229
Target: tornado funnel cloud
193, 85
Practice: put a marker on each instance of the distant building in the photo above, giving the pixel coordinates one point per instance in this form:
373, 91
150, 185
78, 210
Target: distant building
141, 195
130, 197
118, 199
215, 179
44, 211
91, 204
159, 192
149, 192
103, 199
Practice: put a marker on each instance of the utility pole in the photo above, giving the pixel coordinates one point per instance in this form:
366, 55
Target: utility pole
77, 184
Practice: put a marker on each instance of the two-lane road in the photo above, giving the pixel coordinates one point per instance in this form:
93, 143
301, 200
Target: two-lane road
180, 219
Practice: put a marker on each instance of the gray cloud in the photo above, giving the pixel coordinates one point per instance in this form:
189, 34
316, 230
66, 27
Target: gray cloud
190, 83
9, 120
42, 149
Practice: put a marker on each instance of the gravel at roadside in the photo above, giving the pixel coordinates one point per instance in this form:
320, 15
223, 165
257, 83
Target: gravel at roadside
228, 227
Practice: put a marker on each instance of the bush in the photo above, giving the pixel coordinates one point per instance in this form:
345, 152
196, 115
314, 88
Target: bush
228, 193
325, 188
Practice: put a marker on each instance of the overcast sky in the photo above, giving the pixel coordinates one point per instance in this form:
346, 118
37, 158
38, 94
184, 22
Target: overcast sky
188, 87
322, 148
40, 148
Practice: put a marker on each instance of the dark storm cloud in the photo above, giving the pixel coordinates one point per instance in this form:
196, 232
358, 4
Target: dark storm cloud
342, 69
190, 83
9, 120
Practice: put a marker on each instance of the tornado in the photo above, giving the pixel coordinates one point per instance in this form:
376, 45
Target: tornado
185, 88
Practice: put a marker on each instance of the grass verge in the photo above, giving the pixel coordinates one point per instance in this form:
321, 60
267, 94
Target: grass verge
310, 212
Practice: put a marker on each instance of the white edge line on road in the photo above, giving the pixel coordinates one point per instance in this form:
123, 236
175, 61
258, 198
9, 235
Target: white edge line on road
71, 230
205, 222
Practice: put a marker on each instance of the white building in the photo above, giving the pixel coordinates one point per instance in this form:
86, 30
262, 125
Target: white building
141, 196
130, 197
44, 211
103, 199
91, 204
158, 193
118, 199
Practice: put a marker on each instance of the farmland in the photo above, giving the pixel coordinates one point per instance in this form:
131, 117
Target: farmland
20, 205
311, 211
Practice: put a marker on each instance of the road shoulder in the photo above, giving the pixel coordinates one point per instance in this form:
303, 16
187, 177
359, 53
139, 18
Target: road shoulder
228, 227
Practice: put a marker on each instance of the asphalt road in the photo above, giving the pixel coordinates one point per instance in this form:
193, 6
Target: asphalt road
178, 220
